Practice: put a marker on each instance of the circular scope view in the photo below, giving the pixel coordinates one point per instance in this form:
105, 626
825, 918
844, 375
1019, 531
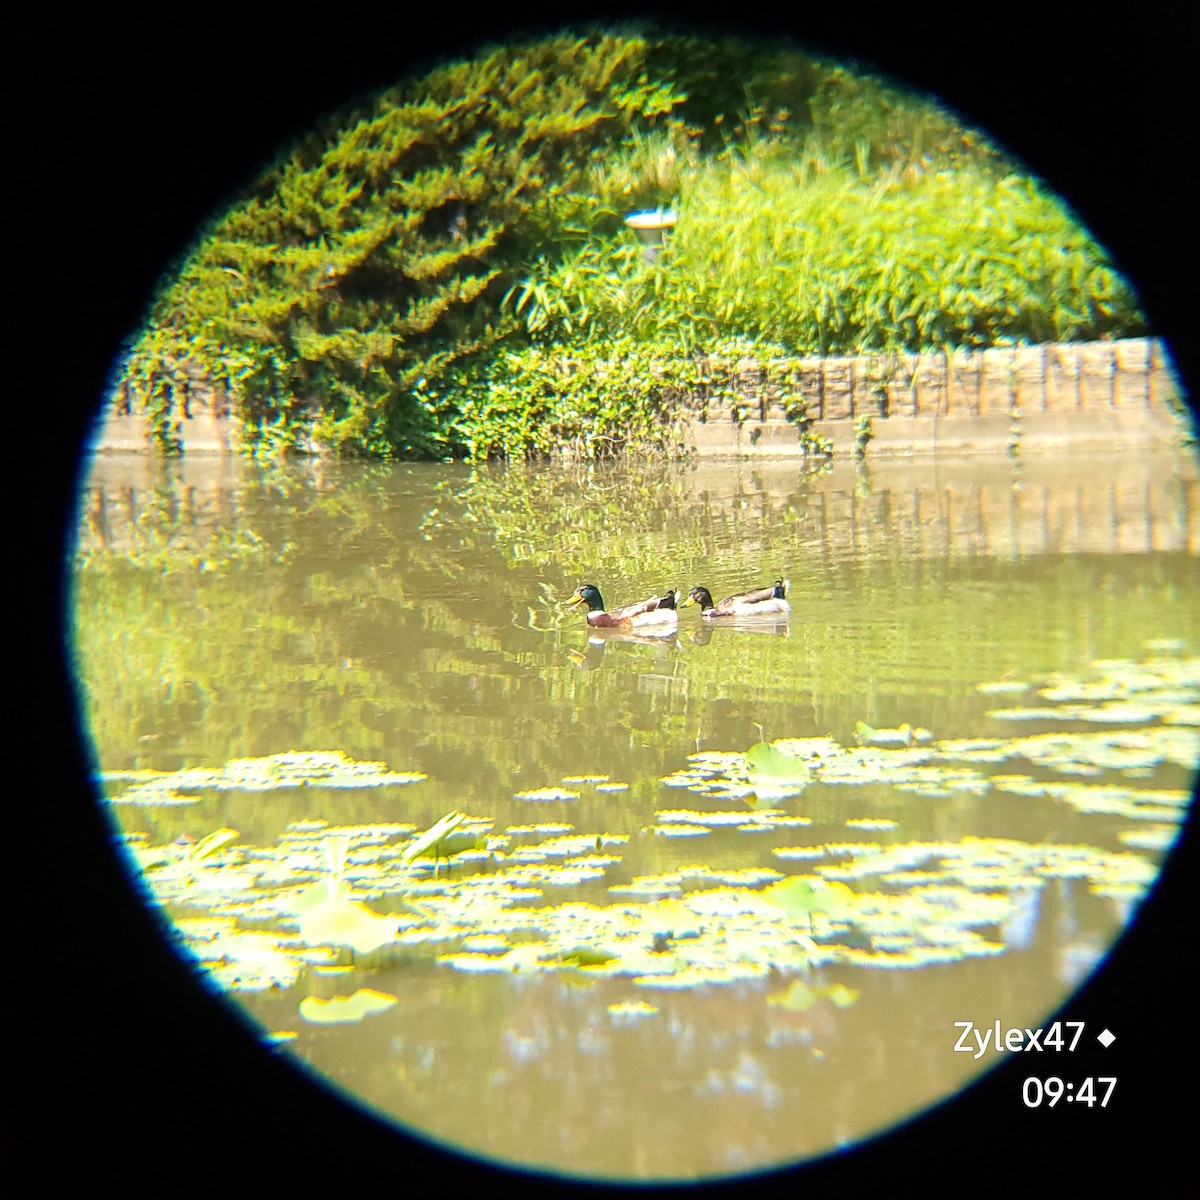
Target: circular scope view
635, 602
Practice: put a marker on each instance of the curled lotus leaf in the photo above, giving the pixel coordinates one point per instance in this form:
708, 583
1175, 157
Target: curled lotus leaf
767, 762
803, 894
336, 920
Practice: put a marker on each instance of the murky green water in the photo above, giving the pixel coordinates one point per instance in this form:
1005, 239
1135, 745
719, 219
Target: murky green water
664, 1007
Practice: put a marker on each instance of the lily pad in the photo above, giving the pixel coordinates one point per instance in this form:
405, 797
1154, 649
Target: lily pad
340, 1010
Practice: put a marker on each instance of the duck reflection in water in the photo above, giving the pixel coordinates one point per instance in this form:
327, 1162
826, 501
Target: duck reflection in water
592, 655
701, 635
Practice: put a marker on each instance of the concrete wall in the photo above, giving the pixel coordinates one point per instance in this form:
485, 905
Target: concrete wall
1031, 398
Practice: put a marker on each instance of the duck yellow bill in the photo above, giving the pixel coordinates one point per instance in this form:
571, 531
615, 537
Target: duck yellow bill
575, 599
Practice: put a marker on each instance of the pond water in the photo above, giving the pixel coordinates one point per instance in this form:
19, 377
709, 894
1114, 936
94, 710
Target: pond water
716, 900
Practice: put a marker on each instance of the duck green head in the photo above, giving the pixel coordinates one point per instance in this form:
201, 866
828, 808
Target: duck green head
589, 594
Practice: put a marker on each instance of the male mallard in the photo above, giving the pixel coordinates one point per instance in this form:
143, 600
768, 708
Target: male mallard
656, 613
764, 602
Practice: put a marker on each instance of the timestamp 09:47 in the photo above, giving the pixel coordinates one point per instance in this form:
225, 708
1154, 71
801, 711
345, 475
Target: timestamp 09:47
1088, 1092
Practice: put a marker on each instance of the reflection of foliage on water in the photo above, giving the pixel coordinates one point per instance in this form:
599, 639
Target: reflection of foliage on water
271, 649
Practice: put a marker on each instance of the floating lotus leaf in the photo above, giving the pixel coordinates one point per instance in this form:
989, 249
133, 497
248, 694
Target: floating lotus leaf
1153, 804
236, 959
1183, 714
800, 996
996, 864
293, 769
743, 876
841, 995
546, 794
648, 885
158, 792
586, 956
340, 1010
565, 846
689, 816
631, 1010
1117, 712
799, 852
905, 735
1129, 751
974, 749
1151, 837
681, 831
526, 957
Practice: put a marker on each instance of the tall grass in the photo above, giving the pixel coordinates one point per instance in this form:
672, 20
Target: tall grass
823, 257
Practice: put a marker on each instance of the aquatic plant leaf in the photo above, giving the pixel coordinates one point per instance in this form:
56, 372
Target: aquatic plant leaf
546, 794
1151, 837
339, 1010
586, 956
293, 769
681, 831
841, 995
237, 959
766, 763
152, 794
433, 836
798, 997
692, 816
1153, 804
340, 921
525, 957
905, 735
803, 894
631, 1010
208, 845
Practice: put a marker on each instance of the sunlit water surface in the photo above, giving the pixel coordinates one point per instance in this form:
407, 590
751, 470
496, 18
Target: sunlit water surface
414, 617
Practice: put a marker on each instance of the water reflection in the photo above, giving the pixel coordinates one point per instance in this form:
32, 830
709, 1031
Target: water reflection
413, 617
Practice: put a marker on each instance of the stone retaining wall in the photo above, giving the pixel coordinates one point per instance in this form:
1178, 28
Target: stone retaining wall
1120, 393
1004, 398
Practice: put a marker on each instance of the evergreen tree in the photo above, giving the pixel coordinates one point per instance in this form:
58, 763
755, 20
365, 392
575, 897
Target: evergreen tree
375, 254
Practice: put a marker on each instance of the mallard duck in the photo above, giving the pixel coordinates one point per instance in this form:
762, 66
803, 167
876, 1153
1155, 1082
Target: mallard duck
763, 602
658, 612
